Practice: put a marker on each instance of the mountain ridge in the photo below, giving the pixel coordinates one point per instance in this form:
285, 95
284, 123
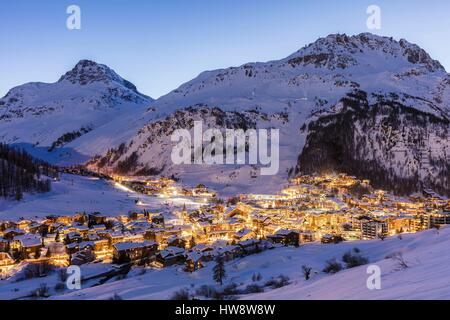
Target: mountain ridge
303, 89
87, 97
294, 94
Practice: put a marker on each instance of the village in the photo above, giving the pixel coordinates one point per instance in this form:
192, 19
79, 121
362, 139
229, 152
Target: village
321, 208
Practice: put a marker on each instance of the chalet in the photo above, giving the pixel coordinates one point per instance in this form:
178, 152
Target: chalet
97, 228
194, 261
307, 236
260, 222
209, 255
54, 227
81, 257
125, 252
92, 236
80, 217
241, 210
202, 191
271, 228
11, 233
139, 225
133, 237
7, 225
27, 246
250, 246
331, 238
4, 245
65, 220
80, 228
96, 218
286, 237
57, 251
220, 235
219, 244
243, 234
23, 224
101, 245
357, 222
170, 256
176, 241
51, 218
158, 220
234, 223
78, 246
230, 252
136, 215
156, 235
202, 248
114, 237
73, 237
172, 231
6, 262
123, 219
37, 227
49, 238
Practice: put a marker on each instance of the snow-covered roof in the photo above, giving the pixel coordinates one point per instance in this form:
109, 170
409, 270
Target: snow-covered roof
133, 245
285, 232
248, 242
29, 240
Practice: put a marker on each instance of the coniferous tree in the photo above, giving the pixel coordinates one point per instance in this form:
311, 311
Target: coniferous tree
219, 273
192, 242
19, 194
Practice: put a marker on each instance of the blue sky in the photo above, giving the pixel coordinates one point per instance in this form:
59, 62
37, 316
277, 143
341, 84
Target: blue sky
160, 44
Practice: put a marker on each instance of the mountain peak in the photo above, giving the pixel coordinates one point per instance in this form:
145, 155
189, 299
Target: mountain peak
343, 50
88, 71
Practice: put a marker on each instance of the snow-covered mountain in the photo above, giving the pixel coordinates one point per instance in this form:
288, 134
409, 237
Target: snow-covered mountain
365, 104
49, 119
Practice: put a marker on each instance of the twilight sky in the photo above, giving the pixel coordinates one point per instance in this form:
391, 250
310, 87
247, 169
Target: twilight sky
160, 44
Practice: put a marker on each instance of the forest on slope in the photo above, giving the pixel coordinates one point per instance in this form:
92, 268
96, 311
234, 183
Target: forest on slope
20, 172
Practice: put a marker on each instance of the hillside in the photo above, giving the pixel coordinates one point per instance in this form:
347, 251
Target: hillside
314, 98
19, 173
49, 119
72, 194
426, 257
425, 254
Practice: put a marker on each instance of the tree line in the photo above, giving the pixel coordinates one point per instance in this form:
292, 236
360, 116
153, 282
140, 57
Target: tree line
20, 172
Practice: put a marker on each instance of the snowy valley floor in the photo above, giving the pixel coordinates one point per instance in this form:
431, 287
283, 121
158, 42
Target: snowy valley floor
427, 277
74, 194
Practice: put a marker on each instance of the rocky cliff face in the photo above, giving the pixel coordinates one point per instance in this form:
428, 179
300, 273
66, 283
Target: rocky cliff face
397, 147
149, 152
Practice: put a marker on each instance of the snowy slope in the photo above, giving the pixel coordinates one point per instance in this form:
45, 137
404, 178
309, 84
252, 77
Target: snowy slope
325, 69
47, 119
306, 87
152, 146
74, 194
426, 278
